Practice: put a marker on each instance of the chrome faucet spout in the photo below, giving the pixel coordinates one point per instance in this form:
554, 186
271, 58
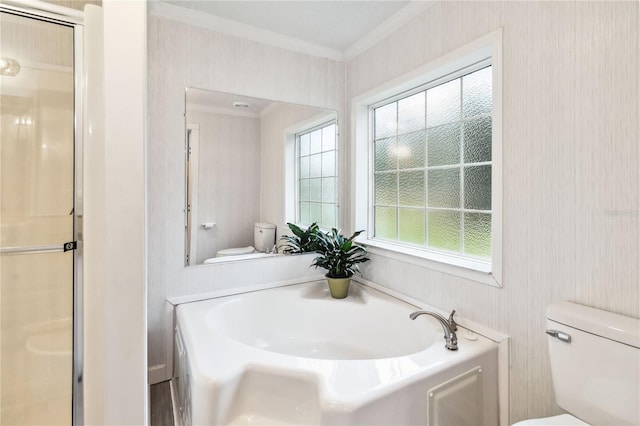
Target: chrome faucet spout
448, 325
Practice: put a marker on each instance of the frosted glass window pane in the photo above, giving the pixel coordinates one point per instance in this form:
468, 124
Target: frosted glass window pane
329, 138
443, 103
477, 140
444, 188
304, 167
386, 225
477, 188
304, 144
444, 145
328, 215
315, 212
315, 189
444, 230
316, 141
385, 119
477, 234
411, 113
385, 158
304, 189
386, 188
329, 190
411, 226
411, 150
329, 163
315, 165
476, 93
304, 212
411, 188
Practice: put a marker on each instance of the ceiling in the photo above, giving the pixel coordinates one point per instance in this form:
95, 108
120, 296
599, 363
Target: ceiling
330, 28
333, 24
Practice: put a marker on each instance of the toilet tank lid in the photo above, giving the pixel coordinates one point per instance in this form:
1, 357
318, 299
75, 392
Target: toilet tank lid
619, 328
264, 225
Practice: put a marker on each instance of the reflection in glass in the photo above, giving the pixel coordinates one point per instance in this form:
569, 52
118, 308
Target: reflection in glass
322, 165
36, 202
229, 169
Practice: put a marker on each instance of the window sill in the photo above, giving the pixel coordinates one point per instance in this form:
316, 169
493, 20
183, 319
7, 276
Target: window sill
474, 270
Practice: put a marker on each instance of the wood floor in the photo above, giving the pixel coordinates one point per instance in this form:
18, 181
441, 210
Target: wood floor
160, 407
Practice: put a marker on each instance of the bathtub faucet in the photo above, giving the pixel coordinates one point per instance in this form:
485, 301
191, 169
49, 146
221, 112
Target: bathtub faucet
448, 325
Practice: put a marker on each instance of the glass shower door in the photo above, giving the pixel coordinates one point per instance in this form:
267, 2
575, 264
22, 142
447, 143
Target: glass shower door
36, 219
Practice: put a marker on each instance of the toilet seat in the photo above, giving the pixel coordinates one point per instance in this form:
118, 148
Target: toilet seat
235, 251
561, 420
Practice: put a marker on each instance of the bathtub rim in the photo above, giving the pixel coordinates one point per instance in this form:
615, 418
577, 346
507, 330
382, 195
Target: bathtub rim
463, 322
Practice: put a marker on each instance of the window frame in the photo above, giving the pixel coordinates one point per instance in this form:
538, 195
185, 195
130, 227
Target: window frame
486, 51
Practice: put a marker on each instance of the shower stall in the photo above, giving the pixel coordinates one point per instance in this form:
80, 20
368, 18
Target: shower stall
40, 212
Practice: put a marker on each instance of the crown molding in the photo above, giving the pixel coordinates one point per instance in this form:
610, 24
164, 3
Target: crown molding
248, 32
387, 27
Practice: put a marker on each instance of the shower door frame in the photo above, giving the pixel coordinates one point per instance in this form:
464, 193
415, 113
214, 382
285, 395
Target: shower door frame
73, 19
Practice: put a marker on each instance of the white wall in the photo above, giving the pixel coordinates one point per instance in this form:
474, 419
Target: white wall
571, 168
181, 55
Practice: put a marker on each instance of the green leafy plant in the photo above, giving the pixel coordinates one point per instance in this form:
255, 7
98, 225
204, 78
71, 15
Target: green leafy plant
339, 255
303, 240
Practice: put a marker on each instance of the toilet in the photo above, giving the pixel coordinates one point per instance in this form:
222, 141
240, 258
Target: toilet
264, 237
595, 366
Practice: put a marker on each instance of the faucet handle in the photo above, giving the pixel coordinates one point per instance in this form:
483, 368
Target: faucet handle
454, 324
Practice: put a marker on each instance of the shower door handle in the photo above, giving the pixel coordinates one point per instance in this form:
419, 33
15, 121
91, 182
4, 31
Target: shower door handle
71, 245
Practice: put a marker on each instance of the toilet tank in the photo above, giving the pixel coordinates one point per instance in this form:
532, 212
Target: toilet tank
264, 235
595, 363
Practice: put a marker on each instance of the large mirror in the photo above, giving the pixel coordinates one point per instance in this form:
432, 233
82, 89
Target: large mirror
240, 171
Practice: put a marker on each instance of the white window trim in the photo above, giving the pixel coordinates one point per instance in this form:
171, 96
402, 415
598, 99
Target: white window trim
291, 162
488, 46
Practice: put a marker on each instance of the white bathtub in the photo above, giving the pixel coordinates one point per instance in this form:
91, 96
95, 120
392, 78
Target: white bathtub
293, 355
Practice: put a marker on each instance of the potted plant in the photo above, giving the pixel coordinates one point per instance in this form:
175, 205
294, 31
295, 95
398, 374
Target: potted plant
302, 241
340, 256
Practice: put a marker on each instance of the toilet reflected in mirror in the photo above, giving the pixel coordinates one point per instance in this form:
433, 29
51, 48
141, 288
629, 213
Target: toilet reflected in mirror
264, 238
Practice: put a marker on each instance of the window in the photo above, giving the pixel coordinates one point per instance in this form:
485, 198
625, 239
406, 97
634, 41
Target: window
432, 166
427, 164
316, 156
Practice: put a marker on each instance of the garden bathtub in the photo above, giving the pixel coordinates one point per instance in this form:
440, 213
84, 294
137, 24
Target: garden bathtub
293, 355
